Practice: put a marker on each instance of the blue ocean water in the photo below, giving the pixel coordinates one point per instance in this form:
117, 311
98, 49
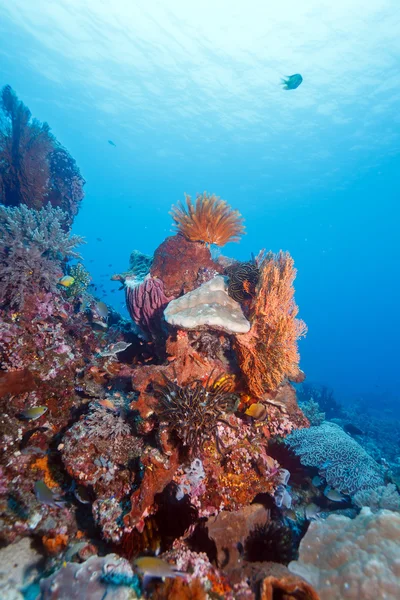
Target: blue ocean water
190, 95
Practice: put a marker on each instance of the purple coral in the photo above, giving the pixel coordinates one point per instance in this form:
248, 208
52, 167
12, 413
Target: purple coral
146, 302
33, 248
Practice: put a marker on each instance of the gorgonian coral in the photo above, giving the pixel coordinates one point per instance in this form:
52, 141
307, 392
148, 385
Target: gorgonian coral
193, 412
34, 168
33, 248
210, 220
268, 352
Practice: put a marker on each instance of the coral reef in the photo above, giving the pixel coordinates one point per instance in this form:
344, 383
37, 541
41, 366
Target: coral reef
98, 578
150, 442
34, 168
193, 412
384, 496
207, 306
145, 302
33, 250
311, 410
210, 220
243, 279
340, 459
268, 353
179, 263
352, 558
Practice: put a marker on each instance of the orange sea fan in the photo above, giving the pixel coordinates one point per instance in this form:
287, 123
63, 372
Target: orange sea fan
209, 220
268, 352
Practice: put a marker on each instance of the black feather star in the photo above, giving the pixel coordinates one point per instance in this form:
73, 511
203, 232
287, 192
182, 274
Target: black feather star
193, 412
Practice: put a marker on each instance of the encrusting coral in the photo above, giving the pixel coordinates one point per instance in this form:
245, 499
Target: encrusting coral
268, 353
210, 220
352, 558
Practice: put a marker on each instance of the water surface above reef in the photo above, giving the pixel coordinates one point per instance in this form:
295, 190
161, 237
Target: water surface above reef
190, 98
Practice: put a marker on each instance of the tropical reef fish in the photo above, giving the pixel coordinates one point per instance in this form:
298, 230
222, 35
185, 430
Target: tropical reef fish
81, 494
151, 566
312, 511
112, 143
66, 281
291, 82
101, 309
352, 429
333, 495
317, 480
115, 348
31, 414
46, 496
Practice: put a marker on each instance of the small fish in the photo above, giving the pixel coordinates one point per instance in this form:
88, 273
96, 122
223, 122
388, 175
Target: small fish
74, 549
257, 411
291, 82
352, 429
312, 511
101, 309
151, 566
107, 404
81, 494
31, 414
333, 495
99, 240
291, 514
115, 348
317, 481
46, 496
112, 143
66, 281
100, 324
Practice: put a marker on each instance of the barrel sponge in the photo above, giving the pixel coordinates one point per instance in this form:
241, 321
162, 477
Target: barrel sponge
345, 464
352, 558
208, 306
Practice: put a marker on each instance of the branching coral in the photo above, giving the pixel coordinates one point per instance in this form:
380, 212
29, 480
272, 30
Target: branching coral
33, 247
34, 168
268, 352
194, 411
210, 220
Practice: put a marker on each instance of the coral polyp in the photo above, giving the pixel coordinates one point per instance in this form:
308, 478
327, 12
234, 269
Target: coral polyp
209, 220
193, 412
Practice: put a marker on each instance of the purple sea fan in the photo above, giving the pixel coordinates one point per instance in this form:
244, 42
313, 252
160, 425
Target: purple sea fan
146, 302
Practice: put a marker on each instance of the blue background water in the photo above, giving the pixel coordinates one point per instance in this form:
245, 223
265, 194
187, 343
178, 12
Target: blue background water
190, 94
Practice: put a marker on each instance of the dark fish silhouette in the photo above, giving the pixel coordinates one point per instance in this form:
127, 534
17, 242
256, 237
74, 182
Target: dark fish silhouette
291, 82
112, 143
352, 429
